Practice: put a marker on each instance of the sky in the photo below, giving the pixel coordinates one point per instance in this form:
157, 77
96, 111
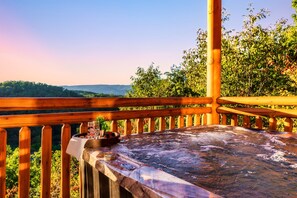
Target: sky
64, 42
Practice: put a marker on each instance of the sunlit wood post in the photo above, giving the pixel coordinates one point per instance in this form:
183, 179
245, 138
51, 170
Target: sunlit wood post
214, 26
3, 142
65, 164
46, 161
288, 125
24, 162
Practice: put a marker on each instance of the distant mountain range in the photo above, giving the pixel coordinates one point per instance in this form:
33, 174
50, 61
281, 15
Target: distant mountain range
101, 89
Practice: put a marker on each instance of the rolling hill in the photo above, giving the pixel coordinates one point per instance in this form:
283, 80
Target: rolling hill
100, 88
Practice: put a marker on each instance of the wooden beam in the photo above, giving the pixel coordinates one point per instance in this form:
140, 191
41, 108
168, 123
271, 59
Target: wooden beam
12, 104
7, 121
263, 100
214, 27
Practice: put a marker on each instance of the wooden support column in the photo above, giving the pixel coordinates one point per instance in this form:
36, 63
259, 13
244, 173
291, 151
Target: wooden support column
214, 26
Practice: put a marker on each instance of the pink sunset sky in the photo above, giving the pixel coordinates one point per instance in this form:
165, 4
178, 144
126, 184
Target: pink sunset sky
103, 42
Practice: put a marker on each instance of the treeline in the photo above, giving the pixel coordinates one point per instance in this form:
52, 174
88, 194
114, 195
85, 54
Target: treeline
32, 89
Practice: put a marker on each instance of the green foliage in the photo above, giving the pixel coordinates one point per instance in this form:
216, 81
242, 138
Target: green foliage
194, 64
102, 124
12, 163
153, 83
31, 89
294, 5
255, 61
148, 83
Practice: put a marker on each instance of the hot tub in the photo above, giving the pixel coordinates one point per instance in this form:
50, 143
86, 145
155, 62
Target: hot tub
200, 162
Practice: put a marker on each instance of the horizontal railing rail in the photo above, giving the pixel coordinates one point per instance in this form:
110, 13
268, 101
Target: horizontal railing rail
273, 108
7, 104
183, 111
265, 100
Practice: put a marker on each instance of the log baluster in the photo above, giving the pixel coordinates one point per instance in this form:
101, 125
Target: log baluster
197, 120
171, 122
272, 123
128, 127
189, 121
139, 125
46, 161
234, 120
162, 124
151, 125
24, 162
224, 119
259, 122
180, 121
3, 142
65, 165
288, 125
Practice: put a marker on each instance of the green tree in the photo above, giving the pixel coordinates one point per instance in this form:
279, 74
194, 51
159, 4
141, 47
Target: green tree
255, 61
178, 83
194, 64
148, 83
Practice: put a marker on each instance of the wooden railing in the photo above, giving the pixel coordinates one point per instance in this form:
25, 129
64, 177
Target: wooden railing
248, 109
174, 109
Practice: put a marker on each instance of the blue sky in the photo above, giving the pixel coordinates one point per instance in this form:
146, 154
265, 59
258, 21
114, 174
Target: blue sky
103, 42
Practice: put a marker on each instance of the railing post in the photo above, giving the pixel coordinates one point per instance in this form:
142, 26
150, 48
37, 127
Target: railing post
259, 122
151, 125
114, 126
140, 125
224, 119
197, 120
128, 127
83, 128
234, 120
189, 121
65, 165
272, 123
162, 125
24, 162
214, 57
171, 122
246, 122
288, 125
180, 121
46, 161
204, 119
3, 143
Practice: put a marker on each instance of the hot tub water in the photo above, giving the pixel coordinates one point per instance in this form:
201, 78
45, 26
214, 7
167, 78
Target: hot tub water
229, 161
